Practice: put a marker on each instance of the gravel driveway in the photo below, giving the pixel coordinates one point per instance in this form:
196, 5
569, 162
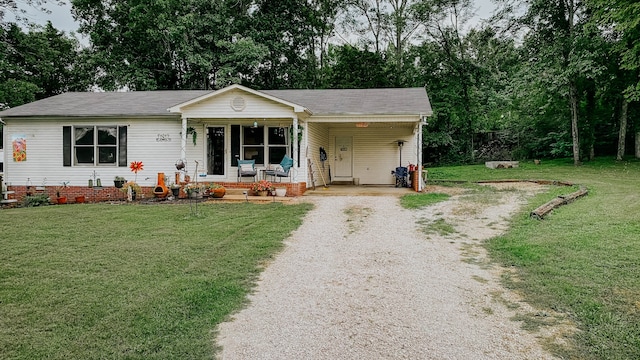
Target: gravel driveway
361, 279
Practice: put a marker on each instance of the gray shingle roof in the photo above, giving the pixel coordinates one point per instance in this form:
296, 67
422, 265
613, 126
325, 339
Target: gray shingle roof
398, 101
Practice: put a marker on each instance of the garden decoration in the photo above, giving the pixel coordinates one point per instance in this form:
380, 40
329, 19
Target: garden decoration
132, 187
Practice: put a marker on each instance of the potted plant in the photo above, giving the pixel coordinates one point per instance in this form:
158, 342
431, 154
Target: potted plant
193, 190
175, 189
119, 181
262, 187
61, 199
216, 190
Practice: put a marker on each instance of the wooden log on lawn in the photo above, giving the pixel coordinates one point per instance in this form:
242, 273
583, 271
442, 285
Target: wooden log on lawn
540, 212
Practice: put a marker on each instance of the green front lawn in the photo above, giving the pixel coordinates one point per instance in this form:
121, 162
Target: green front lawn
583, 260
130, 281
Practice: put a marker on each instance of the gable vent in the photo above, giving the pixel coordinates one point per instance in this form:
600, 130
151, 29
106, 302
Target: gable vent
238, 103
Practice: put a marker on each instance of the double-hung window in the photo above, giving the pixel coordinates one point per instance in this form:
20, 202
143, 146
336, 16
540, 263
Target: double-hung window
95, 145
264, 143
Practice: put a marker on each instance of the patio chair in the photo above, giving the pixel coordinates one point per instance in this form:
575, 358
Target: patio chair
247, 168
282, 170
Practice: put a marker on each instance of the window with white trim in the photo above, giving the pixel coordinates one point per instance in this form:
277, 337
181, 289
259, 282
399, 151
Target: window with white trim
95, 145
260, 140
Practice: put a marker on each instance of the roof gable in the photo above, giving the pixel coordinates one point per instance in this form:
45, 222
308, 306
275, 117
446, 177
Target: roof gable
210, 96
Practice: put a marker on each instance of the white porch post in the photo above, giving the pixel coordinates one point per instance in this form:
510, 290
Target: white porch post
295, 148
183, 142
419, 139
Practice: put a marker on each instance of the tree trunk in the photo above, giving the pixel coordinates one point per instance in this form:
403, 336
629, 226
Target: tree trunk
638, 145
622, 133
573, 99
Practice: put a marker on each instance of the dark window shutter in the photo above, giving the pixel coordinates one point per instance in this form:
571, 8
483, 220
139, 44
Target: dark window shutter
66, 145
235, 144
122, 146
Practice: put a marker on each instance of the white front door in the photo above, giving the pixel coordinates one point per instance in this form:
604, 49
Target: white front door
343, 157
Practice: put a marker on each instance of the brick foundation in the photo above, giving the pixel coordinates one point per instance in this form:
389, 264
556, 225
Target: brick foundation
111, 193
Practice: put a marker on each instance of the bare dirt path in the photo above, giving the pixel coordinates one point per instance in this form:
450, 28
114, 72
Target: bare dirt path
363, 278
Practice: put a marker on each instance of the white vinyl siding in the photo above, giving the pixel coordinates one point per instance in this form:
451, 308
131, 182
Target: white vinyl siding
155, 142
255, 108
375, 152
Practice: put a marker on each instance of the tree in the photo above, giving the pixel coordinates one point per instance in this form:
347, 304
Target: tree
556, 52
17, 7
38, 64
623, 17
352, 68
169, 44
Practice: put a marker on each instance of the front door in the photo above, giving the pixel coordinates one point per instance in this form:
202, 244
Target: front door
343, 157
215, 150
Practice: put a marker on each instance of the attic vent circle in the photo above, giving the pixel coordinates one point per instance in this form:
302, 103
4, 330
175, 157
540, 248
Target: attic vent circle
238, 103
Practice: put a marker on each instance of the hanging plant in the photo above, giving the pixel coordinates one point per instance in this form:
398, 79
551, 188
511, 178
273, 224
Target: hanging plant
194, 135
300, 129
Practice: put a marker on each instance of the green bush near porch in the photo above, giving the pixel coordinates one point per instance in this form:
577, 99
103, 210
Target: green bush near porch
130, 281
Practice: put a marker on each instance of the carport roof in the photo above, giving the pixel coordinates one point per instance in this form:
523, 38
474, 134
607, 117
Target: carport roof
389, 101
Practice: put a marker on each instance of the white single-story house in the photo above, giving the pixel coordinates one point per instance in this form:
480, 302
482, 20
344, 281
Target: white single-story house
347, 135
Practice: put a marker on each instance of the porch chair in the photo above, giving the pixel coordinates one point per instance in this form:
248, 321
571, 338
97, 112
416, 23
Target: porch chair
282, 170
247, 168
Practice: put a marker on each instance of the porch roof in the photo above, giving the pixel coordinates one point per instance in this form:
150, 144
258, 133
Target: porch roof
330, 102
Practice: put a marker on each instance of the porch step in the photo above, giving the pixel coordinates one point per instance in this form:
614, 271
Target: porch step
235, 191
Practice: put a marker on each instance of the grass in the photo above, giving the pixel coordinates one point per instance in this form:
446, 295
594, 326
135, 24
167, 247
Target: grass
132, 281
416, 201
437, 226
583, 260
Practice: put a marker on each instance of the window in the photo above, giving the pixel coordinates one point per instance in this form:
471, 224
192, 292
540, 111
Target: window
254, 145
95, 145
277, 144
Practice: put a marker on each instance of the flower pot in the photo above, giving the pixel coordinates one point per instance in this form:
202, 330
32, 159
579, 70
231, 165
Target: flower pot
80, 199
263, 192
175, 192
281, 192
119, 183
217, 193
62, 200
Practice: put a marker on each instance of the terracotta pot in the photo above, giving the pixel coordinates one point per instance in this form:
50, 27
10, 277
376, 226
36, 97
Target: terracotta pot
80, 199
62, 200
218, 193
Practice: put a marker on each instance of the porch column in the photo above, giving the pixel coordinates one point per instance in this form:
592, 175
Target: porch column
295, 149
183, 141
419, 139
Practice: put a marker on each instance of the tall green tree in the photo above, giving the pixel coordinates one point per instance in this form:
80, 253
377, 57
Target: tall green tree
621, 18
169, 44
351, 68
39, 63
556, 50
